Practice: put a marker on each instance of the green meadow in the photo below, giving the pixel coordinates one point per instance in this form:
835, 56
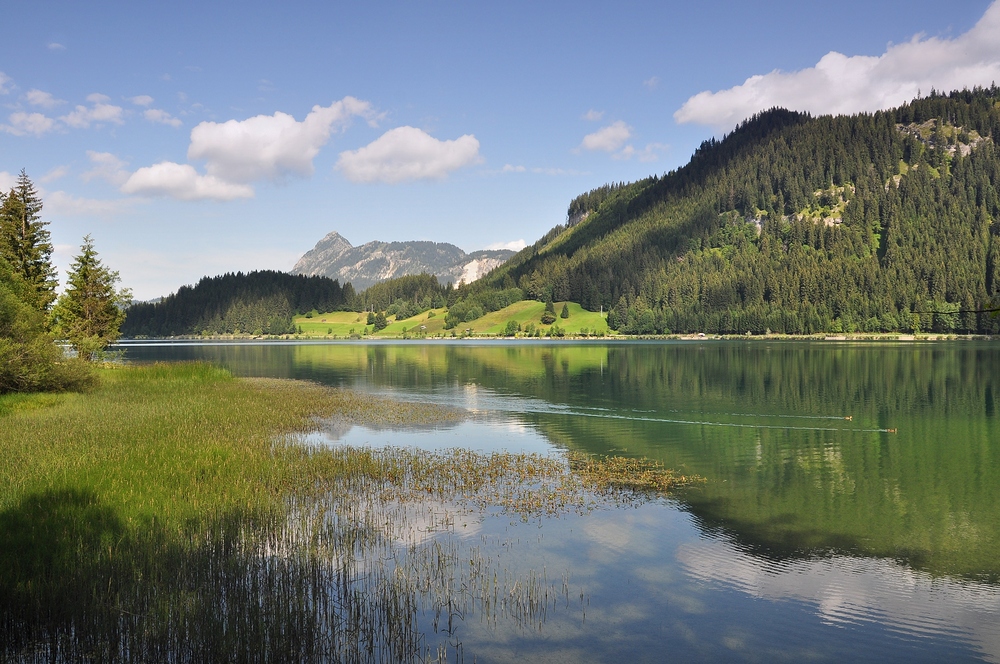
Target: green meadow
431, 323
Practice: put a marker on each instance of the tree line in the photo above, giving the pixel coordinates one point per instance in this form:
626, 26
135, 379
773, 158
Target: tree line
259, 302
32, 318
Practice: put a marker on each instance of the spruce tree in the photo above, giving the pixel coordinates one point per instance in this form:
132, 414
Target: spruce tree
24, 241
90, 312
549, 315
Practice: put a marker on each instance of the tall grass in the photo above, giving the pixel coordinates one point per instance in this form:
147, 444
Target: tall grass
170, 515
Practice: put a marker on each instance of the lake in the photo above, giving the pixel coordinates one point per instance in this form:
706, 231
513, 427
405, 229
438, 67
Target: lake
851, 508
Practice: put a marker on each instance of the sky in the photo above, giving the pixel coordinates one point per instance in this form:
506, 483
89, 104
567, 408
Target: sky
191, 139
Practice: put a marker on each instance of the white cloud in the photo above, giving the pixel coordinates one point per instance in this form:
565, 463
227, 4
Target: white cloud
55, 174
513, 245
593, 116
407, 153
5, 81
141, 100
161, 117
271, 146
56, 46
839, 84
22, 123
43, 99
107, 167
7, 181
510, 168
652, 151
608, 139
558, 171
652, 82
182, 182
649, 153
100, 112
63, 204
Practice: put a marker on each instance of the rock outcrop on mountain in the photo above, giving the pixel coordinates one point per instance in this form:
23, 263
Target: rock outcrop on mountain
362, 266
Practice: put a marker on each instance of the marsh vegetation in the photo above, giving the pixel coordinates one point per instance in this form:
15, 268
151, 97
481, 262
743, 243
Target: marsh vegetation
172, 514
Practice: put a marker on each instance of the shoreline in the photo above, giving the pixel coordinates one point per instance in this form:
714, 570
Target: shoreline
825, 337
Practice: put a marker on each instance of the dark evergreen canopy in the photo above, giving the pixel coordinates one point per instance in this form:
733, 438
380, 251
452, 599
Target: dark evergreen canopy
255, 303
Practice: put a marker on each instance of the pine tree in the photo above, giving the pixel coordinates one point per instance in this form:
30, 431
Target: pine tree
25, 242
549, 315
90, 312
565, 311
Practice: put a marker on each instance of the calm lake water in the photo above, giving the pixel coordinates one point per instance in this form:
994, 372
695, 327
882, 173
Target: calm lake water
852, 508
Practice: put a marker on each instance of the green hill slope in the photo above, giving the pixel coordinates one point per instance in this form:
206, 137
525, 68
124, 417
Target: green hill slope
794, 224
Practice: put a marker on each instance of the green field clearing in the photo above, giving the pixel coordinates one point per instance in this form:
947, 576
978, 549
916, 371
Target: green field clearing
341, 323
433, 325
530, 311
334, 323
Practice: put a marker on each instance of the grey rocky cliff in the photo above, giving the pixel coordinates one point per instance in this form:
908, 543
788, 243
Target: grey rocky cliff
362, 266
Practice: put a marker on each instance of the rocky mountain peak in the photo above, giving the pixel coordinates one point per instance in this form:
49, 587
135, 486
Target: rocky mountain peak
375, 261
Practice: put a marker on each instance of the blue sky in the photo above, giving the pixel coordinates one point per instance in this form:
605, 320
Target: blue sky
192, 139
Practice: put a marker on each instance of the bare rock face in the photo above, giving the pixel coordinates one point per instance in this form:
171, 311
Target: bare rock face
327, 250
335, 257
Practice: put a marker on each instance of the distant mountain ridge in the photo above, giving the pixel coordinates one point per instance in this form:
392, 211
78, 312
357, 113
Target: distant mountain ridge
376, 261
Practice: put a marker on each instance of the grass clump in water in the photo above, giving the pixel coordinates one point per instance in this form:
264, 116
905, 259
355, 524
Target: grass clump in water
165, 516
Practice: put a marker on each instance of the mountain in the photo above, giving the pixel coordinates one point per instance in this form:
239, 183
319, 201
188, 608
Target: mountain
886, 221
335, 257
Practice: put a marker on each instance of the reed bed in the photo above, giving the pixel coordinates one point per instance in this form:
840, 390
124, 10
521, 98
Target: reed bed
172, 515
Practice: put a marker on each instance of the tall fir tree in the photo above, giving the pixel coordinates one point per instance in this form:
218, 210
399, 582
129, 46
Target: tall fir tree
24, 241
90, 313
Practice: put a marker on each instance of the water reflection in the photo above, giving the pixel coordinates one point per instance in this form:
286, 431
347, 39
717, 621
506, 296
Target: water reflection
482, 434
850, 513
909, 476
845, 591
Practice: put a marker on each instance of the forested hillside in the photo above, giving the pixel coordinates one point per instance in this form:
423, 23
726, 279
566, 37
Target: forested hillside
794, 224
255, 303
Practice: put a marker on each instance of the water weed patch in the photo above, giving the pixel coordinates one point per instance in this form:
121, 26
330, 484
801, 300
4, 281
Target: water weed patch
172, 514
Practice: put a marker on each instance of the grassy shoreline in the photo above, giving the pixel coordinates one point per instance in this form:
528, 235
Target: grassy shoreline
171, 513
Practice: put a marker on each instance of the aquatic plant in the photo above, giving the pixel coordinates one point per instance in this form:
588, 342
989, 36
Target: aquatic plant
173, 515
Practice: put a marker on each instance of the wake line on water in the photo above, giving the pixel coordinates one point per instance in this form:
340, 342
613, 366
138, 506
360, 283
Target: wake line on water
740, 425
800, 417
498, 404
